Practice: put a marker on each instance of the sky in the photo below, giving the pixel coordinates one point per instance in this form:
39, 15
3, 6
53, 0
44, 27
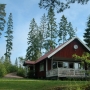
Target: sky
23, 11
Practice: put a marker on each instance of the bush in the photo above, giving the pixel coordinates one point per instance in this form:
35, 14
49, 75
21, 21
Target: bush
21, 72
13, 68
31, 74
2, 70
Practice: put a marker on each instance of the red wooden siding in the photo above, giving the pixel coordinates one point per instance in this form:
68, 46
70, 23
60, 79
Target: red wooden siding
69, 50
38, 73
49, 64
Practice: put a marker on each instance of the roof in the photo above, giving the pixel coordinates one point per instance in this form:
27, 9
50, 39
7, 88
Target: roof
28, 62
54, 51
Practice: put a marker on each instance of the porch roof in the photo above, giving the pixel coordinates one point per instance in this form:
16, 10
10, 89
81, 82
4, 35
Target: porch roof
28, 62
54, 51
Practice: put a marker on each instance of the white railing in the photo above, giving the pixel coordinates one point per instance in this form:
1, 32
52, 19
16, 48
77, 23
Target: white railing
53, 72
66, 72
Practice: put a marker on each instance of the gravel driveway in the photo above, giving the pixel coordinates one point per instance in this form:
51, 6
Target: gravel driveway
12, 75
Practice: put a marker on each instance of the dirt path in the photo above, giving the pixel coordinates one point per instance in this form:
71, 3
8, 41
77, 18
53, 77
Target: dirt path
12, 75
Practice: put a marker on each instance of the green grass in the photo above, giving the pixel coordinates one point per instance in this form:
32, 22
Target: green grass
27, 84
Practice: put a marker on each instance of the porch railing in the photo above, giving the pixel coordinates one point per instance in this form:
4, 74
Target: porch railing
67, 72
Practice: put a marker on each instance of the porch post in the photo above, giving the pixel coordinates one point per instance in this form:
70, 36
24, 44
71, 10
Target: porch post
52, 63
26, 71
34, 69
46, 65
46, 68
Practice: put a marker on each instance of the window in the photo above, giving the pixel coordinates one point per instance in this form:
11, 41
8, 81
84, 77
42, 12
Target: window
71, 65
76, 65
60, 64
65, 64
42, 66
54, 65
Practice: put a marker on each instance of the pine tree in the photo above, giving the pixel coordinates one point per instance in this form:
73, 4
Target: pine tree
21, 61
70, 30
87, 33
59, 5
51, 30
16, 62
9, 37
43, 31
2, 15
33, 49
2, 59
65, 31
62, 33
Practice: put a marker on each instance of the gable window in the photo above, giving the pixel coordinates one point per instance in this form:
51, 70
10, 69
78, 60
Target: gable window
42, 66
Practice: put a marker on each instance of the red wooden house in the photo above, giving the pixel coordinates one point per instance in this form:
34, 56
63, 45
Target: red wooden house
59, 61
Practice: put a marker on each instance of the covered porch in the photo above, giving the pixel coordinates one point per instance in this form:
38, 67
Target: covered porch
66, 68
67, 72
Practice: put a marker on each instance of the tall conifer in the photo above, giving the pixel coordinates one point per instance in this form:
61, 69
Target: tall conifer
70, 30
2, 15
42, 31
51, 30
9, 37
87, 33
33, 42
63, 29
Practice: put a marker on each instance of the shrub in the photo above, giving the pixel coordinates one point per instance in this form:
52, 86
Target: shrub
30, 74
13, 68
2, 70
21, 72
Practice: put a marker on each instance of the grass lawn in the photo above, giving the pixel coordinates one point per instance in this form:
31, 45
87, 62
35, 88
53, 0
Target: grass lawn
27, 84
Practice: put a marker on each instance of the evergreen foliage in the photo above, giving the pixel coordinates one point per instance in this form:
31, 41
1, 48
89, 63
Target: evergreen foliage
59, 5
70, 30
65, 31
16, 62
9, 37
2, 15
21, 61
43, 38
43, 31
33, 49
51, 30
87, 33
